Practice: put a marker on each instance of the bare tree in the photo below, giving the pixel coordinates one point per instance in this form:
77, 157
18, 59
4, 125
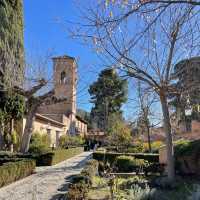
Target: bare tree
37, 90
146, 102
145, 44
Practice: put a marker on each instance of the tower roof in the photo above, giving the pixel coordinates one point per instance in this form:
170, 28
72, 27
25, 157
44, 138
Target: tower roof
64, 56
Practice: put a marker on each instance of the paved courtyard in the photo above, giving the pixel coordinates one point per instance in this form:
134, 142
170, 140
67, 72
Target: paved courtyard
49, 183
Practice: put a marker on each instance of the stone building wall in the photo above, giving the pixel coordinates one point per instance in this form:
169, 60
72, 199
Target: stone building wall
43, 125
195, 126
65, 88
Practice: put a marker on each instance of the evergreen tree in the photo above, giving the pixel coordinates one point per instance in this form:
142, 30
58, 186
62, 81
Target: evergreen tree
108, 94
11, 63
11, 42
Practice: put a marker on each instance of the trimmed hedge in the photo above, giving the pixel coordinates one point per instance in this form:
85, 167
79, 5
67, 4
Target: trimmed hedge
44, 159
63, 154
129, 164
56, 156
187, 157
187, 148
110, 157
13, 171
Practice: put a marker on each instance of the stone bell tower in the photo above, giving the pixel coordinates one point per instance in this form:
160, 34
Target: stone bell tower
65, 80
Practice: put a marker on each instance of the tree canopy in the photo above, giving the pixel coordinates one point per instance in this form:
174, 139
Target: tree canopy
108, 94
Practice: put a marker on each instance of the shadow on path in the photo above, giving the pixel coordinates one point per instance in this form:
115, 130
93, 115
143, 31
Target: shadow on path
62, 190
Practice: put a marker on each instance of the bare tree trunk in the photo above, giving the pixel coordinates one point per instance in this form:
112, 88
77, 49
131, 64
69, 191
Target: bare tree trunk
27, 131
169, 139
149, 138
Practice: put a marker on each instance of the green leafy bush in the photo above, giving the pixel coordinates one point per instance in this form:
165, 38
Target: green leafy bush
119, 134
141, 147
67, 141
185, 147
77, 191
81, 183
90, 169
12, 171
129, 164
39, 143
14, 137
187, 157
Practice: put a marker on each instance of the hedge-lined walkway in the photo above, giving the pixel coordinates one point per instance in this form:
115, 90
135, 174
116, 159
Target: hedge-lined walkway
47, 183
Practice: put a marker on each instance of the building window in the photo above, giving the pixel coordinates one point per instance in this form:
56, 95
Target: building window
63, 77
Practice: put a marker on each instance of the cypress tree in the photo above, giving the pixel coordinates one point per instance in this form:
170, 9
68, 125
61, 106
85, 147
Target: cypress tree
11, 41
11, 60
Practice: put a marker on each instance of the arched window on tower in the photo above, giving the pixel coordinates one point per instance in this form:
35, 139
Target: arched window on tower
63, 77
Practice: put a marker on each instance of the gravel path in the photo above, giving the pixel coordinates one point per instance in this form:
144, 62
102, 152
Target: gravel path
49, 183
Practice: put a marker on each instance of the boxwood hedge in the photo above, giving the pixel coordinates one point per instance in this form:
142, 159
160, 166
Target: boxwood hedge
111, 156
56, 156
12, 171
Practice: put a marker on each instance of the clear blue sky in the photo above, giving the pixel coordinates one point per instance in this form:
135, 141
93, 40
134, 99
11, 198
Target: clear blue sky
43, 32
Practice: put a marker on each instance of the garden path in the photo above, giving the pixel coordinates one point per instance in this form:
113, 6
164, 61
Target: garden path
48, 183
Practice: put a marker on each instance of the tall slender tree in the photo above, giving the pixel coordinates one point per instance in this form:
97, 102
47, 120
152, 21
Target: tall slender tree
11, 42
108, 94
11, 59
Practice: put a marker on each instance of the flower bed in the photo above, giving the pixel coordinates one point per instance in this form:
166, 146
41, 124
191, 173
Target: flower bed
13, 171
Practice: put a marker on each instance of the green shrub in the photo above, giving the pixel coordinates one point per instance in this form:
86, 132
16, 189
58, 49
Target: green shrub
67, 141
141, 147
187, 156
110, 157
39, 143
77, 191
79, 178
119, 134
81, 183
90, 169
15, 138
129, 164
154, 168
12, 171
185, 147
